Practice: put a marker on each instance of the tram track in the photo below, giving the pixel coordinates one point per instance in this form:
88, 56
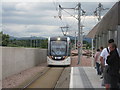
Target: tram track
47, 79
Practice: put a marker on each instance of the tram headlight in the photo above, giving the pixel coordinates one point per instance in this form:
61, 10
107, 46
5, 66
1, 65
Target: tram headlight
64, 57
58, 38
51, 57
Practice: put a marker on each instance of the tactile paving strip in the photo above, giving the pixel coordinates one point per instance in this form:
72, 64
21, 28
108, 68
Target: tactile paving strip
86, 82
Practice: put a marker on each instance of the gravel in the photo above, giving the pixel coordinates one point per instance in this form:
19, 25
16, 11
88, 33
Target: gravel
17, 79
85, 61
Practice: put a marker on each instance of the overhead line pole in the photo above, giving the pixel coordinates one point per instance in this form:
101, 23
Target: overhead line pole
79, 28
98, 11
75, 40
79, 33
100, 6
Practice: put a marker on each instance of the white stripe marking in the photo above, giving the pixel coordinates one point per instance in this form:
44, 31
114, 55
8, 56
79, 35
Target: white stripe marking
75, 78
71, 78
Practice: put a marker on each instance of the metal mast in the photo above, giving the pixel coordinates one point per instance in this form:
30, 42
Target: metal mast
75, 40
79, 33
98, 11
80, 12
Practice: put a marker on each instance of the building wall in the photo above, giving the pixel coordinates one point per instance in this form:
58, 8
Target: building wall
15, 60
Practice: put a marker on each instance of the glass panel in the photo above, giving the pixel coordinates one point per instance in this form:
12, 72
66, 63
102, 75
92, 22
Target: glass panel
58, 48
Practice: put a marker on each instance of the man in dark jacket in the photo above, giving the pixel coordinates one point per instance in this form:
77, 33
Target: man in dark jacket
113, 61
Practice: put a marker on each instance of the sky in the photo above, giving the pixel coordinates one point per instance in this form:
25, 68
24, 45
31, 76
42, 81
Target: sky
40, 19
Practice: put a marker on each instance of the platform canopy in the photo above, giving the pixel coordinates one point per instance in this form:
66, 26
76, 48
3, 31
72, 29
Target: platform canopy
108, 23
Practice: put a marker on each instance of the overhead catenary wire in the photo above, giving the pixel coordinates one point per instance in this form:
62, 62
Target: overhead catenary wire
65, 23
54, 3
70, 14
67, 20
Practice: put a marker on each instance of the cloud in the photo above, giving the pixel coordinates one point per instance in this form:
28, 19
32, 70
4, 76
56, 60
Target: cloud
60, 1
41, 28
23, 6
37, 18
34, 30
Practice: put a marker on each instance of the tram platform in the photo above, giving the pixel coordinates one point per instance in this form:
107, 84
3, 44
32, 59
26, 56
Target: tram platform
84, 77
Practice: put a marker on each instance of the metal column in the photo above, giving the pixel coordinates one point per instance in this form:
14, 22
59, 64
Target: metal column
97, 42
99, 45
104, 40
118, 37
79, 33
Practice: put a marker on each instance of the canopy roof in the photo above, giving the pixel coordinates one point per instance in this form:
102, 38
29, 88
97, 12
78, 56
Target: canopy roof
108, 22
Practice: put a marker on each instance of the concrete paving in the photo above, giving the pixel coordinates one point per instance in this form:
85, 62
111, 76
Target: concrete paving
84, 77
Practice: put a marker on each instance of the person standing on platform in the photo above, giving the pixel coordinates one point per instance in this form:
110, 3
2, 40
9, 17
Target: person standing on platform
97, 61
103, 58
101, 68
113, 61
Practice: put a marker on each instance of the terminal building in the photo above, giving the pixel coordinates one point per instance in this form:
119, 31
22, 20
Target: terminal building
107, 28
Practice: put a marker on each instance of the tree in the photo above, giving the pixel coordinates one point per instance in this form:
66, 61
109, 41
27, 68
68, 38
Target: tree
88, 45
5, 39
0, 38
44, 43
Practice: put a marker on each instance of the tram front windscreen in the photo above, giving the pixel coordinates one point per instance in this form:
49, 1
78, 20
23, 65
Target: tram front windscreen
58, 48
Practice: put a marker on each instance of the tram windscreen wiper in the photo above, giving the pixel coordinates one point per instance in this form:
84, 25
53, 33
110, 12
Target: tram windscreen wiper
54, 52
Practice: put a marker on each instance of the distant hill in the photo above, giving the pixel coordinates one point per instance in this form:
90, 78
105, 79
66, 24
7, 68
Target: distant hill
87, 39
84, 38
26, 38
42, 38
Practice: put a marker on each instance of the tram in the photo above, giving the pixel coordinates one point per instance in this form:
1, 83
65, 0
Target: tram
59, 51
